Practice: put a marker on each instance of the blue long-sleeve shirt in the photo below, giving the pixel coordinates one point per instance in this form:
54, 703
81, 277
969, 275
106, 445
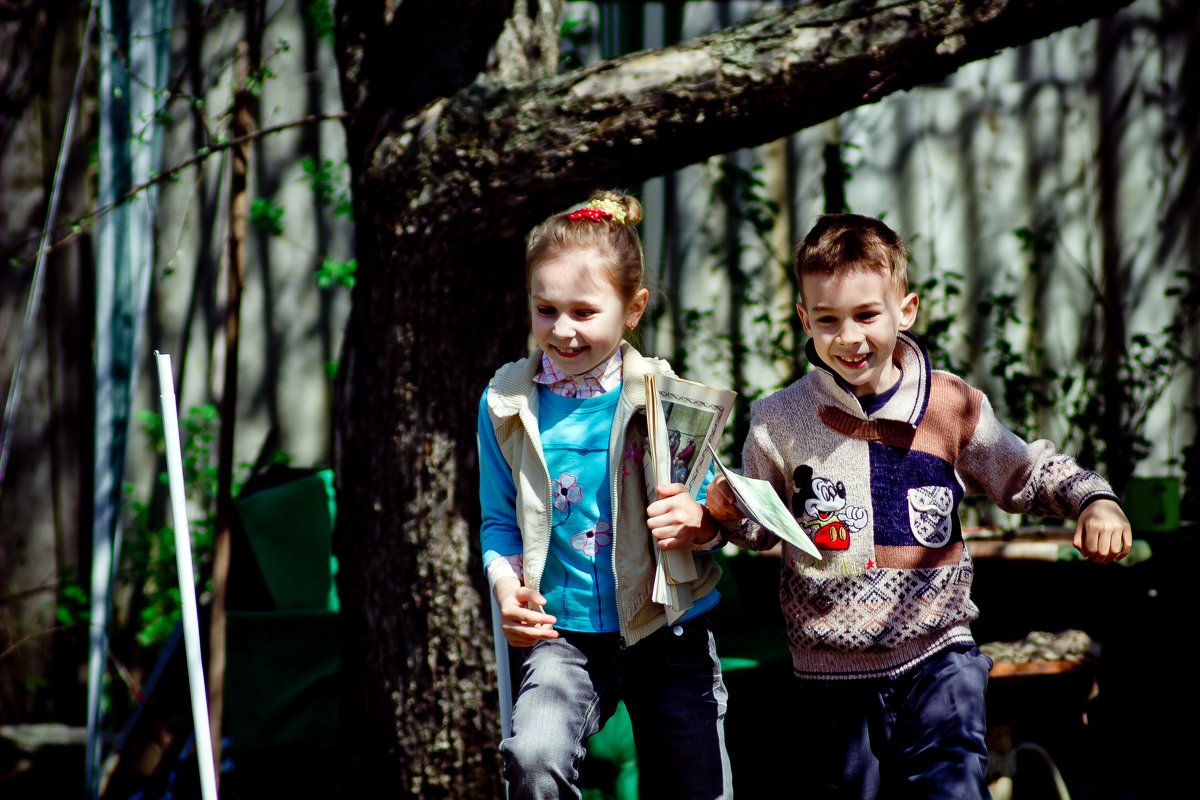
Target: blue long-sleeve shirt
578, 581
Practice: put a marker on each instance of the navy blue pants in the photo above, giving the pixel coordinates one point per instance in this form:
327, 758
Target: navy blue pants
919, 734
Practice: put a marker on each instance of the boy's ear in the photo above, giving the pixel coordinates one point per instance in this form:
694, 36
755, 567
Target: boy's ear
803, 317
908, 310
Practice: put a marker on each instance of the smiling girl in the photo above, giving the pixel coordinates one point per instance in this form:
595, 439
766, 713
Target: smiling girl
568, 533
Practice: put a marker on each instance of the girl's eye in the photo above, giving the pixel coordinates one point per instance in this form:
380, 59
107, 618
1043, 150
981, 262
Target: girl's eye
585, 314
544, 311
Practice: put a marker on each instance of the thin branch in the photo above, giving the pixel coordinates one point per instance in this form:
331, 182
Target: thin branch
12, 648
204, 154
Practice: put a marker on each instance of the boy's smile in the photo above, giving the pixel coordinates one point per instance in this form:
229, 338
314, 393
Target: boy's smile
853, 320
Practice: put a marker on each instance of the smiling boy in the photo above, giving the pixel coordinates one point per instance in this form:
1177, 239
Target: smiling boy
873, 451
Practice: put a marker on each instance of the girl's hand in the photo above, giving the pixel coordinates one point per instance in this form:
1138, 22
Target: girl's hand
522, 627
676, 520
720, 500
1102, 532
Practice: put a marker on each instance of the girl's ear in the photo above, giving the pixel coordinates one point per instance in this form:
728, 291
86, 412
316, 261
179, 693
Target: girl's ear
636, 307
908, 311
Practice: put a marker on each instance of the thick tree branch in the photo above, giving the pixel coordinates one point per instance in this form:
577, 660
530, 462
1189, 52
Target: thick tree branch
522, 150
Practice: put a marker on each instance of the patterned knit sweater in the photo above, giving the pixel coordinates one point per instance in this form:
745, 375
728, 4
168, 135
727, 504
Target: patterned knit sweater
880, 498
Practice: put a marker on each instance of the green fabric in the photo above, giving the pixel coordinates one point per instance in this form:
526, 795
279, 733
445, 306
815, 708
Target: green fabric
611, 771
282, 665
290, 530
281, 679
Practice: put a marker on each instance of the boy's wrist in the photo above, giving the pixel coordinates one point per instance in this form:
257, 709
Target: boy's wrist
711, 535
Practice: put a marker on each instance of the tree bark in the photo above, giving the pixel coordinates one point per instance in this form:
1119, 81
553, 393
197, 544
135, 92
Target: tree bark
462, 138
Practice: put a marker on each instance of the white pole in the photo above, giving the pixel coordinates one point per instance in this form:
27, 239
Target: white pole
503, 671
187, 580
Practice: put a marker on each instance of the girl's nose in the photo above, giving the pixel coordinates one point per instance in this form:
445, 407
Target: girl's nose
563, 329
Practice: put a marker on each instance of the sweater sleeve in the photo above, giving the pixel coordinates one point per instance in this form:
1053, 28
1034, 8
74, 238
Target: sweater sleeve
1023, 477
760, 459
499, 533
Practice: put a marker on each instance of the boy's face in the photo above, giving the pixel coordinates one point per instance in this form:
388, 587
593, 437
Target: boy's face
853, 320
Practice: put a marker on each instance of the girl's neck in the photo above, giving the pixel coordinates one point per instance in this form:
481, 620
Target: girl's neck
604, 377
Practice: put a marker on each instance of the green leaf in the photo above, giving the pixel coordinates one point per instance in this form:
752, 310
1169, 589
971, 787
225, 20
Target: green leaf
337, 273
267, 216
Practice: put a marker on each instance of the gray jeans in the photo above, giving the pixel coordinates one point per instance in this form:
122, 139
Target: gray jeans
672, 687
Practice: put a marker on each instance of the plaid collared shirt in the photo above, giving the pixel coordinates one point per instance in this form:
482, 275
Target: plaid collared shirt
596, 381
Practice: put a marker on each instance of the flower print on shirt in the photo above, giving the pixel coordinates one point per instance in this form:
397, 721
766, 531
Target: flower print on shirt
588, 541
565, 490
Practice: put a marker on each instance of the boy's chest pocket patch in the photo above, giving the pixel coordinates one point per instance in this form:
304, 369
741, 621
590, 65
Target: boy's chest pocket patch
929, 509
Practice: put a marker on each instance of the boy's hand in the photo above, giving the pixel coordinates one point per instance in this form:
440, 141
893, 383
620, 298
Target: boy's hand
522, 627
720, 500
676, 520
1102, 532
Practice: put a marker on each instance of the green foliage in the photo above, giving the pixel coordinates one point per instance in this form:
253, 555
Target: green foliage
72, 606
743, 192
337, 273
319, 17
1037, 242
938, 294
267, 216
259, 76
749, 191
329, 186
574, 36
1029, 383
1106, 403
1189, 463
149, 570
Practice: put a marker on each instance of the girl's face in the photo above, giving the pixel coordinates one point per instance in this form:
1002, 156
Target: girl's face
578, 316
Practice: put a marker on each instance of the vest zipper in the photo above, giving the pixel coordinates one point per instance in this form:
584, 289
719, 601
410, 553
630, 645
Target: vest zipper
616, 472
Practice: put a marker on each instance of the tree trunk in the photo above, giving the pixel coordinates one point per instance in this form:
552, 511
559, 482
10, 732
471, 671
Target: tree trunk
462, 138
419, 710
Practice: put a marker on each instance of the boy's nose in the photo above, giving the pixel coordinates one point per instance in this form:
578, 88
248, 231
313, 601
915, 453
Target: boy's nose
850, 333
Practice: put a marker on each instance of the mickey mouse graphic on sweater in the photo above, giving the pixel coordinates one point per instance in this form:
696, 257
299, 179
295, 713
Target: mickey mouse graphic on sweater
820, 504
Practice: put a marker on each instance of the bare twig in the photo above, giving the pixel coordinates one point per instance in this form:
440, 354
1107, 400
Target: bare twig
78, 225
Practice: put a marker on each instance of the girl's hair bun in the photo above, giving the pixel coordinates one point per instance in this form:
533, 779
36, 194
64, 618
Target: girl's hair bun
627, 203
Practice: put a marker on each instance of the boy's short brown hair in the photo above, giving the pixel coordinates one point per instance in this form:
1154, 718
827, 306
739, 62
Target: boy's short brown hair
840, 244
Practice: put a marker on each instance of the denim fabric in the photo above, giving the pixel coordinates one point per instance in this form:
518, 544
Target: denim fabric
672, 687
919, 734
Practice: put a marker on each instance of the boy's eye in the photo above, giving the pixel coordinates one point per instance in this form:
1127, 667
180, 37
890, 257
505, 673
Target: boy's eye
826, 320
867, 316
